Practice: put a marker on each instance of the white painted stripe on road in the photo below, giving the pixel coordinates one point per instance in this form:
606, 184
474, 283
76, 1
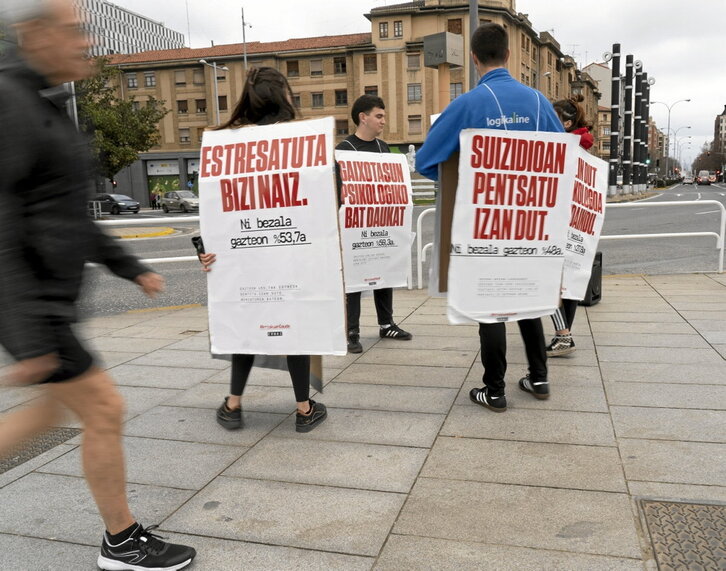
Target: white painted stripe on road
699, 196
709, 212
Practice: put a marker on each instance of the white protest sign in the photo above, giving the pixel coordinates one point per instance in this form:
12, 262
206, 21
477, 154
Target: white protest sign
269, 212
375, 219
510, 224
587, 214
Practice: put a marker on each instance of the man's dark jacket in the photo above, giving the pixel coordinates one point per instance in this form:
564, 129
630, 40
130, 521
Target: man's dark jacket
46, 235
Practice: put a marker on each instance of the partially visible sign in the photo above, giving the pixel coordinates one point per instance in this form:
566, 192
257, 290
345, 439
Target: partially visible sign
375, 219
158, 168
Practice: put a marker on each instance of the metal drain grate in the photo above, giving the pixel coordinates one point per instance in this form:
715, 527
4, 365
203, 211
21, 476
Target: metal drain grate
37, 446
686, 536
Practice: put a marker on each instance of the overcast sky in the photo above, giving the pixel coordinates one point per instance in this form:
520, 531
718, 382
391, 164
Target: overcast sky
680, 43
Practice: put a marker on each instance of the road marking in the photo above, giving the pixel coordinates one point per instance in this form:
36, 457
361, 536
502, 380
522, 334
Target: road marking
699, 196
679, 195
708, 212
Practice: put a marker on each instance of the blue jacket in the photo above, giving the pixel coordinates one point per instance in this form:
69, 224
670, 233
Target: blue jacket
522, 108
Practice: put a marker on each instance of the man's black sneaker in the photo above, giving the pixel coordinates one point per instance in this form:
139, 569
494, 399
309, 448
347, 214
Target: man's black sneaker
393, 331
540, 389
144, 551
230, 419
354, 345
483, 398
560, 345
306, 422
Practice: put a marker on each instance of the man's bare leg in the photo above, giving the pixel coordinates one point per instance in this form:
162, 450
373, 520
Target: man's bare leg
98, 404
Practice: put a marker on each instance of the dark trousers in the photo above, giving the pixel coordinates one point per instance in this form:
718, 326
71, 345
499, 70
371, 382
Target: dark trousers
383, 299
493, 339
298, 365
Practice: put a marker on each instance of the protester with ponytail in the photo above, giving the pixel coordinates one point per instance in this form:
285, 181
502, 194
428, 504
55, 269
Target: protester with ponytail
572, 115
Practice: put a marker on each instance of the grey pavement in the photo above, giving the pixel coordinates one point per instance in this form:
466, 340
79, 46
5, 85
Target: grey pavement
406, 473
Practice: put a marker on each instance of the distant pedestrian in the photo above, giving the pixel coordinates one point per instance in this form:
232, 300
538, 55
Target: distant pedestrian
369, 116
266, 99
572, 115
154, 200
46, 237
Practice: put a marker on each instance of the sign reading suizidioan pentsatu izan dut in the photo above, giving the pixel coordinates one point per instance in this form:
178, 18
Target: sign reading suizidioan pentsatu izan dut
510, 224
268, 210
375, 219
587, 215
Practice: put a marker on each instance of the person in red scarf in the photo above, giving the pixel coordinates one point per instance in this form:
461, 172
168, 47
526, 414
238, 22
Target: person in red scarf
572, 115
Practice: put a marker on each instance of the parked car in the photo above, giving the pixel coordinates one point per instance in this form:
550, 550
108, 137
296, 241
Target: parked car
116, 203
184, 200
703, 177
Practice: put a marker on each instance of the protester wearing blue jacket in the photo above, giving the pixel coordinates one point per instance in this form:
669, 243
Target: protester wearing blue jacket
497, 102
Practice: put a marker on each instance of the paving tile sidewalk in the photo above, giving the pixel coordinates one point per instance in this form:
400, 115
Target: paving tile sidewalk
406, 473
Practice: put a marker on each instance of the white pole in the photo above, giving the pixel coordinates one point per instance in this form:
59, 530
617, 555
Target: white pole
244, 39
216, 95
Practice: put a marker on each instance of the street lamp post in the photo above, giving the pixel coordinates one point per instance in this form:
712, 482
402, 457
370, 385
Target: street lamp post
215, 67
668, 129
675, 140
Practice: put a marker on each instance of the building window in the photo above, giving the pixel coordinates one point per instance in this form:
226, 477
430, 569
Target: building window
414, 124
180, 77
201, 105
296, 101
414, 92
221, 75
184, 136
149, 79
606, 130
341, 126
339, 64
341, 97
317, 99
456, 89
222, 102
316, 67
398, 29
136, 105
370, 62
182, 106
371, 90
198, 77
413, 61
383, 29
131, 81
293, 68
454, 26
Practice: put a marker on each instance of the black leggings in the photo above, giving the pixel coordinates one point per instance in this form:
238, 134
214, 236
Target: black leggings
298, 365
493, 338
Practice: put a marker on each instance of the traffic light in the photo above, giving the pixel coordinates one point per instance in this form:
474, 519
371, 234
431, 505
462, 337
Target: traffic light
114, 183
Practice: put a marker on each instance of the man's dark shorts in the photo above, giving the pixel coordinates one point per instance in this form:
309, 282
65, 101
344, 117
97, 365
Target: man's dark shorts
75, 360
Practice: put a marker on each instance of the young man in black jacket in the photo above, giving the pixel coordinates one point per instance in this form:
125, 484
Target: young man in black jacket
46, 237
369, 116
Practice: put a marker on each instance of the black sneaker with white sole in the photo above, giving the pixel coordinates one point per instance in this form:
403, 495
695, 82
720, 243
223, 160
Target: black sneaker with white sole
393, 331
539, 389
144, 551
560, 346
483, 398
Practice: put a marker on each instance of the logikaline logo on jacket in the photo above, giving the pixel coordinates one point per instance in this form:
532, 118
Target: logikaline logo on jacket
511, 120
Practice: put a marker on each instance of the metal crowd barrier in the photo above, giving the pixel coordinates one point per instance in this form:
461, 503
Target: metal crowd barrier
422, 249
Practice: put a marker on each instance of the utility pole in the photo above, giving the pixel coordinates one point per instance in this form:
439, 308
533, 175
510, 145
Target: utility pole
244, 39
473, 25
614, 119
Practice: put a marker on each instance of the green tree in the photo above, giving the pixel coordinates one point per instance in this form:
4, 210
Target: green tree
120, 128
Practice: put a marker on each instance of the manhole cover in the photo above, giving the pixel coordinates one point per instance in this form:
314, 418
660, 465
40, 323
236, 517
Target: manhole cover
686, 536
37, 446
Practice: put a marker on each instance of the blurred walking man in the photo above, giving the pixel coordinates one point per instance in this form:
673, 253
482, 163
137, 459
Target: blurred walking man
46, 237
